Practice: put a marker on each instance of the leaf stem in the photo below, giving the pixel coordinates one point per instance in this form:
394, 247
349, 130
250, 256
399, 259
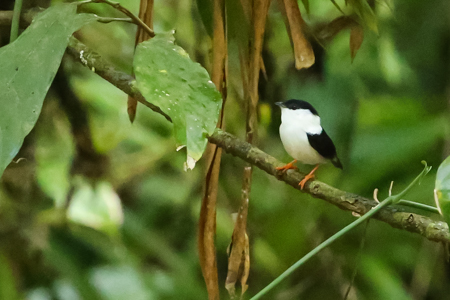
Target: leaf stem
122, 9
15, 21
389, 200
420, 206
109, 20
322, 246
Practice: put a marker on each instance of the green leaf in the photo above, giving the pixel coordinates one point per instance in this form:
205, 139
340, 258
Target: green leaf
306, 5
238, 24
366, 13
205, 8
97, 206
167, 77
8, 288
443, 189
28, 68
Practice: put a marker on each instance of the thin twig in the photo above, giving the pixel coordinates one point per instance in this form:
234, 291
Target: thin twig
357, 260
420, 206
119, 7
109, 20
375, 195
390, 188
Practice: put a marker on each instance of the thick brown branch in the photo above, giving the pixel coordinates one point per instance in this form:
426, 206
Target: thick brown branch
395, 216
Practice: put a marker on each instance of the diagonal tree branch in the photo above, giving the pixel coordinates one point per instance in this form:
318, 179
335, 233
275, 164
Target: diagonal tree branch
396, 216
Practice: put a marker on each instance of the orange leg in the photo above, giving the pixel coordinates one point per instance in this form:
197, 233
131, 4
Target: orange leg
287, 166
308, 177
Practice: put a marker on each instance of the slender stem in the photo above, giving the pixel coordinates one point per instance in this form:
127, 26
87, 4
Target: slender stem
122, 9
109, 20
389, 200
15, 21
322, 246
396, 198
419, 206
357, 260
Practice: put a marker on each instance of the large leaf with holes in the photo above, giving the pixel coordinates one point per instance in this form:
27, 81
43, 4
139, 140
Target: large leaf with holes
443, 189
167, 77
28, 67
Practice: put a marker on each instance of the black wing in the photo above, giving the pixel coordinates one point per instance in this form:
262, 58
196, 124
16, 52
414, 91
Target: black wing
324, 146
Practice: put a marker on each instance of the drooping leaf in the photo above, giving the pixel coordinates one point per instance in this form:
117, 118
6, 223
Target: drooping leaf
328, 31
442, 187
337, 6
356, 39
306, 5
239, 254
366, 13
28, 67
304, 54
238, 26
205, 9
167, 77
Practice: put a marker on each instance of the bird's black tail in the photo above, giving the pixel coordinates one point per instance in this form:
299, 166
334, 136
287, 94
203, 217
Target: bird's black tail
336, 162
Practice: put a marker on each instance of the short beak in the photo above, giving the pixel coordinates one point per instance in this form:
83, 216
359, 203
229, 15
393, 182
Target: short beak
280, 104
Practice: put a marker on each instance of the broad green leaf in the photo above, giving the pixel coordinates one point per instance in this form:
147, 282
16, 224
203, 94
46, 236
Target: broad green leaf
28, 67
443, 189
167, 77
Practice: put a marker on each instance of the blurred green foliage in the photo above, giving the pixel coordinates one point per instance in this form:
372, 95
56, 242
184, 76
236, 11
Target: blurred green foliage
385, 112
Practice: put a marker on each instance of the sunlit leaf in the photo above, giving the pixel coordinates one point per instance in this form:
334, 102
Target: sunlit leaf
28, 67
443, 189
97, 206
167, 77
356, 39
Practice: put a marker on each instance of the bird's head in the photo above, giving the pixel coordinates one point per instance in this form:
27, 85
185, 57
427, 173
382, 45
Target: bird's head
300, 114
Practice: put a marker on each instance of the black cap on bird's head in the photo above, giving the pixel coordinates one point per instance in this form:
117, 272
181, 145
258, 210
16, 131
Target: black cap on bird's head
297, 104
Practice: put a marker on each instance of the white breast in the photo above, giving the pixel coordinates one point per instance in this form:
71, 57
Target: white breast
294, 126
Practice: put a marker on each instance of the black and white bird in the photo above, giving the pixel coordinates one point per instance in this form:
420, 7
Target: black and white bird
304, 138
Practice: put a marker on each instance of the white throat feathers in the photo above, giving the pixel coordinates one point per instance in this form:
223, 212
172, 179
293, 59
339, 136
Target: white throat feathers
301, 119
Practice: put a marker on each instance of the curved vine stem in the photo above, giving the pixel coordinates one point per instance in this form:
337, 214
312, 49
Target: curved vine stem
388, 201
